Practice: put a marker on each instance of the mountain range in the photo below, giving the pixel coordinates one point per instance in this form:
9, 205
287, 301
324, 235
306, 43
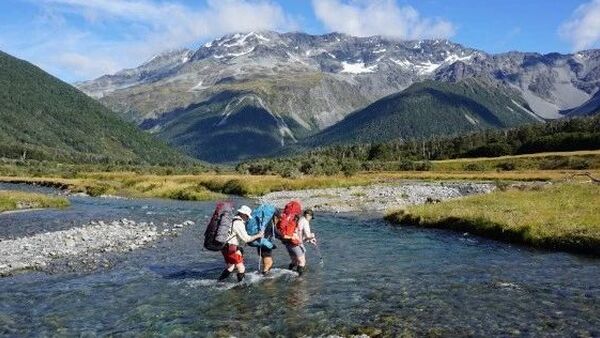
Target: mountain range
45, 119
251, 94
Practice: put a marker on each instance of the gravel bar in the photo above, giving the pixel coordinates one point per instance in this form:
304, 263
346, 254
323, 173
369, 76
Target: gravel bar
378, 197
38, 251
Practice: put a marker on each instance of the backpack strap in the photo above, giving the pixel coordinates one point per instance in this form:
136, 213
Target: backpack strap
232, 235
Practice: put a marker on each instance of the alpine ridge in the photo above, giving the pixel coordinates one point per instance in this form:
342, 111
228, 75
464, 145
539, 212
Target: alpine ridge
281, 88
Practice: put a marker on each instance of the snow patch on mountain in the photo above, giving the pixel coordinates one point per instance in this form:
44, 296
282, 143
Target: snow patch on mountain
233, 55
198, 87
295, 58
427, 67
240, 40
357, 68
403, 63
454, 58
471, 120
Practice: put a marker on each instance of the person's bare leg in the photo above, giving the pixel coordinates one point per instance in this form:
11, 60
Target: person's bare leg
301, 264
293, 262
267, 263
241, 271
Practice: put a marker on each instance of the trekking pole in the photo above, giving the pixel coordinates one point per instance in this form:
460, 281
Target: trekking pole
260, 243
321, 260
259, 257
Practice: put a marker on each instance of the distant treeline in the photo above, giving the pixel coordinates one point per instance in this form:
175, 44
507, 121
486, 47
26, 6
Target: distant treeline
34, 168
560, 135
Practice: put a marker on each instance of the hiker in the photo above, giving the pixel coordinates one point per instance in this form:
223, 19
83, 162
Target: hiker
233, 252
266, 254
295, 247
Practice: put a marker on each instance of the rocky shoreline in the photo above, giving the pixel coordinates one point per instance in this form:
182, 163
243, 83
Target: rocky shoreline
37, 252
378, 198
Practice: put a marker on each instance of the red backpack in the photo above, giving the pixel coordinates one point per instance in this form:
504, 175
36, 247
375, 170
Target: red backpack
288, 222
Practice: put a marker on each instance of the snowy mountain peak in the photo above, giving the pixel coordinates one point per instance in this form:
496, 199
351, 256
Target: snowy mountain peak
173, 56
346, 71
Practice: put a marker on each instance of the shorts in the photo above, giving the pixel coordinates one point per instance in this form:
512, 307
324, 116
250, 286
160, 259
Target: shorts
233, 254
264, 252
296, 250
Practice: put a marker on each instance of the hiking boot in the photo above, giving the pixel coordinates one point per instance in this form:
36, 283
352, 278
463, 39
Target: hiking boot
240, 276
224, 275
301, 270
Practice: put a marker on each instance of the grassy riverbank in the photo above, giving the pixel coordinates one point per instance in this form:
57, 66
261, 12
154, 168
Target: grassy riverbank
574, 160
214, 186
560, 216
188, 187
16, 200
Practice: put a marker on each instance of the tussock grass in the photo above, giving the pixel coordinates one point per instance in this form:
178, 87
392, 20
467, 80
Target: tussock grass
576, 160
13, 200
214, 186
560, 216
195, 187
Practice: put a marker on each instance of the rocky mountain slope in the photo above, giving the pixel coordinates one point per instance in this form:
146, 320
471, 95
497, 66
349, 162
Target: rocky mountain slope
44, 118
281, 88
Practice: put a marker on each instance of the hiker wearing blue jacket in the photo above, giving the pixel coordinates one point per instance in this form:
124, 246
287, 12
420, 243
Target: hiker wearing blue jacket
266, 254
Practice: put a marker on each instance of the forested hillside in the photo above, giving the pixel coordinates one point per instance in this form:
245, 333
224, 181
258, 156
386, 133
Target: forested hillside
44, 118
431, 108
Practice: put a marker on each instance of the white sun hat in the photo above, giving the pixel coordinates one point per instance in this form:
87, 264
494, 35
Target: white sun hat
244, 209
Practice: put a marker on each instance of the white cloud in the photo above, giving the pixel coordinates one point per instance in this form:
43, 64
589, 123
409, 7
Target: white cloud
83, 65
116, 34
582, 30
379, 17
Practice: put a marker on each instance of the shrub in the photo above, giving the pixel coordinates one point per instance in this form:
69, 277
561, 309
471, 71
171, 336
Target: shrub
190, 194
97, 190
289, 172
406, 165
235, 187
490, 150
473, 167
556, 162
350, 167
423, 166
506, 166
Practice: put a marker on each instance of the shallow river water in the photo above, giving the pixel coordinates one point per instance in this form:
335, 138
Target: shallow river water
375, 279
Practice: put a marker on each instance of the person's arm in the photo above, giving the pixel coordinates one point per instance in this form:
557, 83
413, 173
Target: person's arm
240, 231
306, 233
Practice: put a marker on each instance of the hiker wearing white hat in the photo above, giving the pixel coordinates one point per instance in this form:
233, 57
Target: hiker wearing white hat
233, 252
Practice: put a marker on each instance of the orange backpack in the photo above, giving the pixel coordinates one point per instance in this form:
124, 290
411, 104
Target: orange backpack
288, 222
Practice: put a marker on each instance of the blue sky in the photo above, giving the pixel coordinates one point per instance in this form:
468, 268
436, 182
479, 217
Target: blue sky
82, 39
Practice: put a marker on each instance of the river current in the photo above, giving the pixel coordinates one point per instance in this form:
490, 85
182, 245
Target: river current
375, 278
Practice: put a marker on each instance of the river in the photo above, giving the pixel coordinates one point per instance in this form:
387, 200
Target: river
375, 278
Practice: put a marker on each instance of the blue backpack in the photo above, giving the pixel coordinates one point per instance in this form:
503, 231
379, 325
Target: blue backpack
261, 217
